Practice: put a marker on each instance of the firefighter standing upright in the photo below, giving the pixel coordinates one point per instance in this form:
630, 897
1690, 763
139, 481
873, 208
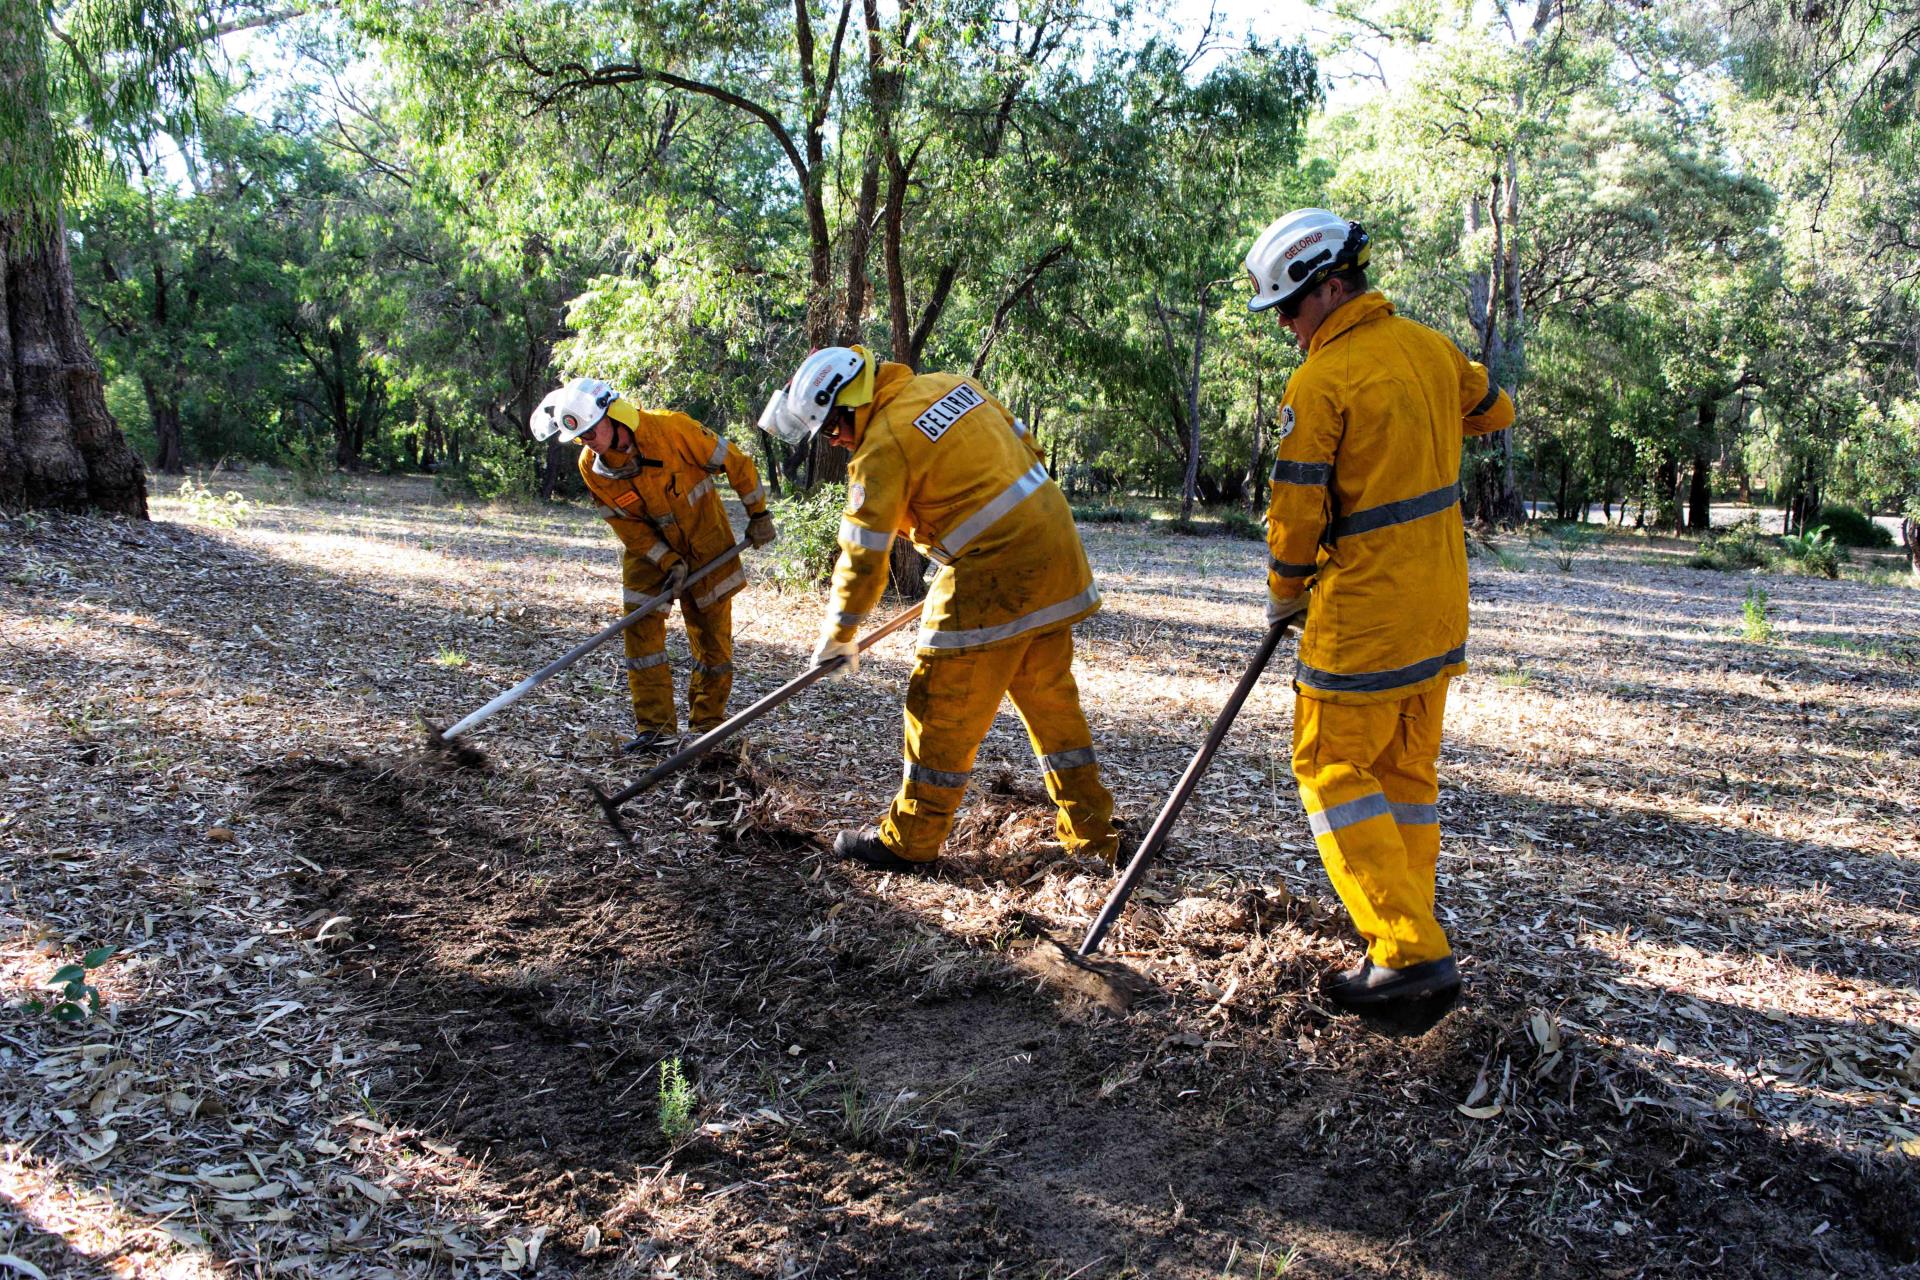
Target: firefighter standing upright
1365, 532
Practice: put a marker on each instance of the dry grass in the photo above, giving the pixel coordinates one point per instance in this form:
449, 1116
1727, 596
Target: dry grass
1682, 871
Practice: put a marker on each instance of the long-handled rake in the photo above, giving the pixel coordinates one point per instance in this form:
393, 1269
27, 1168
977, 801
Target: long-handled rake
467, 753
1157, 835
610, 802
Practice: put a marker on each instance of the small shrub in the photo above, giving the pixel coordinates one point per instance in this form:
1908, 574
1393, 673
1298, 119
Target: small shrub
1107, 515
676, 1101
1566, 544
449, 658
79, 999
1238, 524
1814, 553
315, 474
222, 511
1756, 627
809, 542
1852, 527
496, 466
1738, 546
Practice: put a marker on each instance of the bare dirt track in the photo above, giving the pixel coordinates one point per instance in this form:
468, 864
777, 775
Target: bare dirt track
379, 1015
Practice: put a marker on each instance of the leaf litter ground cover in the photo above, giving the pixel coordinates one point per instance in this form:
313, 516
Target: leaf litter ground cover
374, 1014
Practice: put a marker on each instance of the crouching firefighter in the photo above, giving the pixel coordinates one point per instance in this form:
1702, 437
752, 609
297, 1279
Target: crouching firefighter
936, 457
653, 474
1364, 528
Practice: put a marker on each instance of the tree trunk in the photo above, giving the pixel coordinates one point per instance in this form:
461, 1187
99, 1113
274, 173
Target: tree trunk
1193, 410
1910, 537
1257, 496
59, 447
907, 569
169, 456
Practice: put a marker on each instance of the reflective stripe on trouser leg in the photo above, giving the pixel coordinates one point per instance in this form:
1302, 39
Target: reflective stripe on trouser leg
710, 637
649, 677
1048, 700
1409, 777
1335, 747
951, 701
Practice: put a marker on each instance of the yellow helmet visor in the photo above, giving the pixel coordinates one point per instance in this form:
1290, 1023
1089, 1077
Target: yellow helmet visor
860, 390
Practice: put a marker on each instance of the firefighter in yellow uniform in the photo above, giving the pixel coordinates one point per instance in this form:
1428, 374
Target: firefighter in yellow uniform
653, 472
1365, 534
939, 459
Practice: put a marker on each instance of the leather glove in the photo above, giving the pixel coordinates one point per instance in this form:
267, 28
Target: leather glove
1278, 611
828, 649
676, 579
760, 530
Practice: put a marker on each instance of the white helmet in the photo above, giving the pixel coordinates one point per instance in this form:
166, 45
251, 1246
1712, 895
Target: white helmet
572, 411
830, 378
1299, 251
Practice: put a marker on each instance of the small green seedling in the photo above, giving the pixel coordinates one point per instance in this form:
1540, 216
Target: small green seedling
78, 998
1755, 626
449, 658
676, 1101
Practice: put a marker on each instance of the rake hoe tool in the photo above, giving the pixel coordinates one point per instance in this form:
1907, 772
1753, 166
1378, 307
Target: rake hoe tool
610, 803
1157, 835
443, 738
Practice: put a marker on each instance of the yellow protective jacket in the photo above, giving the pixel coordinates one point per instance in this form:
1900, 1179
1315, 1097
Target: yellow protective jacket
1366, 502
661, 501
939, 459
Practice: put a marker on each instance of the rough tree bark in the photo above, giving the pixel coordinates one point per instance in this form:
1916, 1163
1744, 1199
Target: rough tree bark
59, 447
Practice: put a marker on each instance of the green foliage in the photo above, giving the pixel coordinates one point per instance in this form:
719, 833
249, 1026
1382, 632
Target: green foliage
1225, 523
1814, 552
1734, 547
1092, 513
809, 525
674, 1112
1853, 528
79, 999
221, 510
495, 467
1756, 626
1567, 541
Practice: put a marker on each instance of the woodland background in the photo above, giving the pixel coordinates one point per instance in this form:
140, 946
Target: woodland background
370, 236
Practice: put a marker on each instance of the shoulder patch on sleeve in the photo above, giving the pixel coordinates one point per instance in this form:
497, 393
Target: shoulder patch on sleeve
856, 497
947, 410
1286, 421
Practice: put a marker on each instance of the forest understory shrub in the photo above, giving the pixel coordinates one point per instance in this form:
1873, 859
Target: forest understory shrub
1088, 513
494, 467
1814, 553
1738, 546
1852, 527
809, 542
1221, 524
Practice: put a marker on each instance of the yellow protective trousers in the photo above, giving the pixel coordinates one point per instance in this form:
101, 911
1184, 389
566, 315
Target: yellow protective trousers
1367, 777
951, 703
650, 679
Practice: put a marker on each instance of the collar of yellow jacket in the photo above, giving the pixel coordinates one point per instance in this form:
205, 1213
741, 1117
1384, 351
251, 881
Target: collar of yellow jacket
1370, 305
888, 381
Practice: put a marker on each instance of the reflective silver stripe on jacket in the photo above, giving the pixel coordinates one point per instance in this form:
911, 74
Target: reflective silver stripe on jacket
1067, 608
926, 777
700, 491
628, 472
658, 552
650, 660
1286, 570
719, 458
1377, 681
1414, 815
721, 669
1059, 760
629, 596
709, 593
1390, 513
753, 495
1314, 473
852, 535
848, 619
1492, 397
949, 547
1328, 821
1020, 429
615, 513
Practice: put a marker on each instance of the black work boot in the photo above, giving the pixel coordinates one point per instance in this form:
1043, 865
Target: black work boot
652, 742
1401, 1002
866, 846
